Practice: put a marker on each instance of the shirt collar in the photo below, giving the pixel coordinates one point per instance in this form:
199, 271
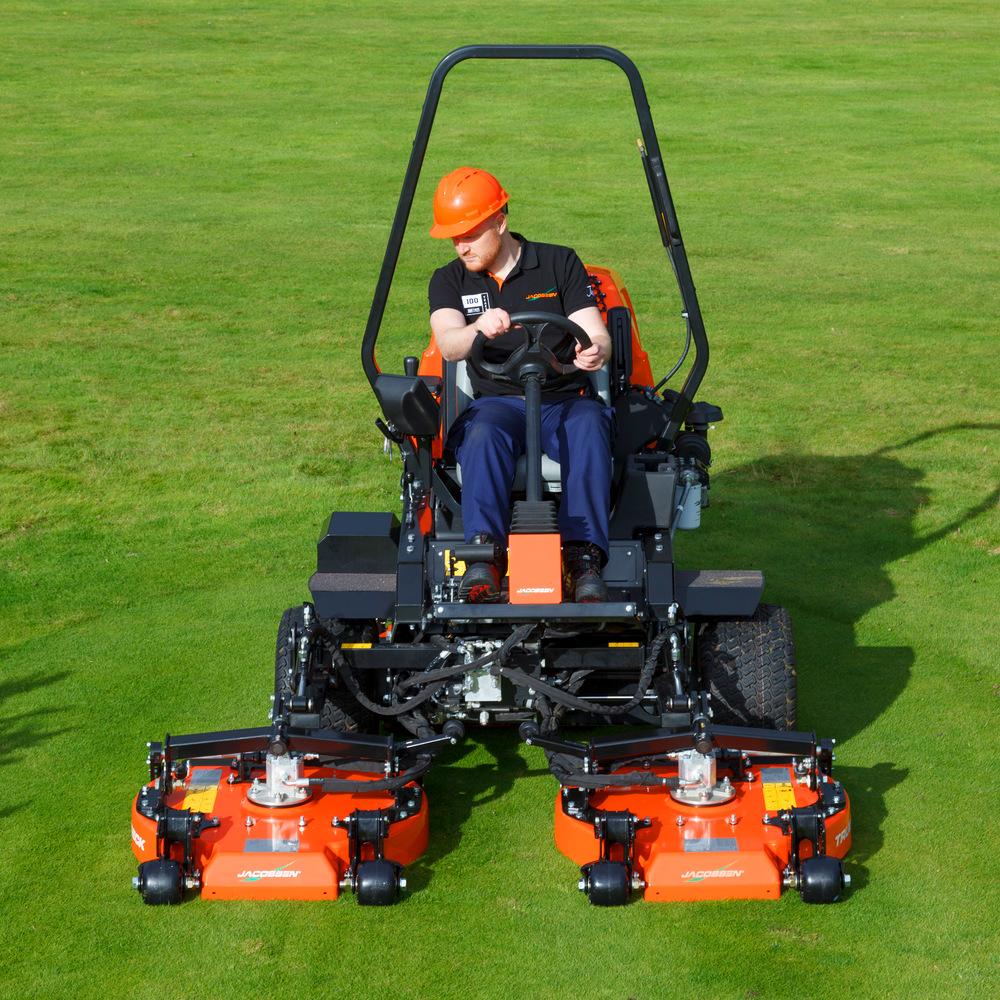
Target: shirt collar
529, 256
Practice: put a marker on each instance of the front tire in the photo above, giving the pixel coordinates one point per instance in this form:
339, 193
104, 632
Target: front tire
749, 667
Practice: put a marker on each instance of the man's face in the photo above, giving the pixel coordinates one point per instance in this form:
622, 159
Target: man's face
479, 248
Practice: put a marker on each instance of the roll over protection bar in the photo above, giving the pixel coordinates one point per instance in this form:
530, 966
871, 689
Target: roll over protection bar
656, 178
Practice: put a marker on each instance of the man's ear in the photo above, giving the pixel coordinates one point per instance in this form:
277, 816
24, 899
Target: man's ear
501, 222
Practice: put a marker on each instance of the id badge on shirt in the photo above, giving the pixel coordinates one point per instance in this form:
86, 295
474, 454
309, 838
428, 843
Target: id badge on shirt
475, 305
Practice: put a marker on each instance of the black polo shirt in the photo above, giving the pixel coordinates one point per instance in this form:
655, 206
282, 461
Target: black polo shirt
546, 278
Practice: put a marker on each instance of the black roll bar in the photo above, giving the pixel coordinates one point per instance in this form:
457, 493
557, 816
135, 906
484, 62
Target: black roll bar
656, 178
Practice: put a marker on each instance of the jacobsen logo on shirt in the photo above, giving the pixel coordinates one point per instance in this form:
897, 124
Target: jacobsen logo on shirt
550, 294
476, 304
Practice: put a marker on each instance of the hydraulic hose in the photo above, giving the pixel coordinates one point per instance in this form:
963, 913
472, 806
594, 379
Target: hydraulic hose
373, 706
562, 697
567, 771
390, 784
445, 673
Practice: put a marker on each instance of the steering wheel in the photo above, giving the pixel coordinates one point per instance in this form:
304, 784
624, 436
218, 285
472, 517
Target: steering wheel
532, 351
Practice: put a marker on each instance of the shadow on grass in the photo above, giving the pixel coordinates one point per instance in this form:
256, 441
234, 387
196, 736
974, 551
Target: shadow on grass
24, 731
825, 529
454, 791
867, 788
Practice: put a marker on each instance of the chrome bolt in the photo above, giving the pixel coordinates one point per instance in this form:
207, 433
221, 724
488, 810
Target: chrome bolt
847, 879
582, 885
733, 819
137, 882
402, 882
680, 821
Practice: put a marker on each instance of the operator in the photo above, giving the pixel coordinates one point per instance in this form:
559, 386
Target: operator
498, 272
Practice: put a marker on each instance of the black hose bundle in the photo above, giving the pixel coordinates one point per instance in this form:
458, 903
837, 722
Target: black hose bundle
388, 784
399, 708
431, 682
566, 768
562, 697
446, 673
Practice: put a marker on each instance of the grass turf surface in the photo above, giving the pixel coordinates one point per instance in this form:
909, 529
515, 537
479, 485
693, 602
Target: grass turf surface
195, 202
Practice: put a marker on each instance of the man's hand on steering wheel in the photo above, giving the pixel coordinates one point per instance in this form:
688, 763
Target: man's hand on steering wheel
493, 323
590, 359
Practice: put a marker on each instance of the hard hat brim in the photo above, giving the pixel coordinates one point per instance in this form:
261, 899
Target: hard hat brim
440, 231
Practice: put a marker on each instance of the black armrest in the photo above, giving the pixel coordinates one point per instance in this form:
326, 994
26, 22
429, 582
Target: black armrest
407, 402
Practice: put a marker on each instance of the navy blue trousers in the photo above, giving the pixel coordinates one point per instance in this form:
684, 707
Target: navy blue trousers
488, 438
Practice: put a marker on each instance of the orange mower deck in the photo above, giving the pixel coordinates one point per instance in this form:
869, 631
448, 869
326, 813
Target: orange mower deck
282, 813
292, 852
724, 851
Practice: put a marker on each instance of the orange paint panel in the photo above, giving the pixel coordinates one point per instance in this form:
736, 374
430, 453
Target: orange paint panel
535, 569
724, 875
270, 876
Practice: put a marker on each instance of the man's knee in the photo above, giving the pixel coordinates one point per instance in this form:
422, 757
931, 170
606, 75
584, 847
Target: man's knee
485, 436
587, 423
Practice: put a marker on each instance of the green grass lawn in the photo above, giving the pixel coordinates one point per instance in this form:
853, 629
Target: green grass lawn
194, 203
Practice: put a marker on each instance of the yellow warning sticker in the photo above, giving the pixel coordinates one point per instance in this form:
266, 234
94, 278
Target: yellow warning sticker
623, 645
778, 795
355, 645
201, 798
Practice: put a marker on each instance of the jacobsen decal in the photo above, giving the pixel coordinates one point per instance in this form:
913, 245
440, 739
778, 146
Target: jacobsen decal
843, 835
728, 871
140, 842
255, 875
535, 590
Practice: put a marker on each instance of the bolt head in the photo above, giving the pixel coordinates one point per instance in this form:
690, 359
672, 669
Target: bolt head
582, 885
847, 879
137, 882
680, 820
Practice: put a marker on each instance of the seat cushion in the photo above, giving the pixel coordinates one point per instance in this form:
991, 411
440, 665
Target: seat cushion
551, 474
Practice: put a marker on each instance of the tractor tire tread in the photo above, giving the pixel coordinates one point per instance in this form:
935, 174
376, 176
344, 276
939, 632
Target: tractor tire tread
749, 664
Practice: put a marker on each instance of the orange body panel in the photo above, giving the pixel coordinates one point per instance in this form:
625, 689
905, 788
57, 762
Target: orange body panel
535, 568
709, 856
611, 291
278, 856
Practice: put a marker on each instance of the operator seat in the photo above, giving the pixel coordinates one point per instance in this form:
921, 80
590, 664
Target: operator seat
457, 395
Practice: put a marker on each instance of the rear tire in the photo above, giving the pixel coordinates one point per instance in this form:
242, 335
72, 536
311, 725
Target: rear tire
749, 666
338, 710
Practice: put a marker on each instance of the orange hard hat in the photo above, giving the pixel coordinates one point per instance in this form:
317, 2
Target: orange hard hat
463, 199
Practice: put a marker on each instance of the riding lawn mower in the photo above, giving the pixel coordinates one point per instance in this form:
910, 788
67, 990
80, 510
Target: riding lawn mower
715, 795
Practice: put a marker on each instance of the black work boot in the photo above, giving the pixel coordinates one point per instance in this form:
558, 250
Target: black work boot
583, 562
481, 580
